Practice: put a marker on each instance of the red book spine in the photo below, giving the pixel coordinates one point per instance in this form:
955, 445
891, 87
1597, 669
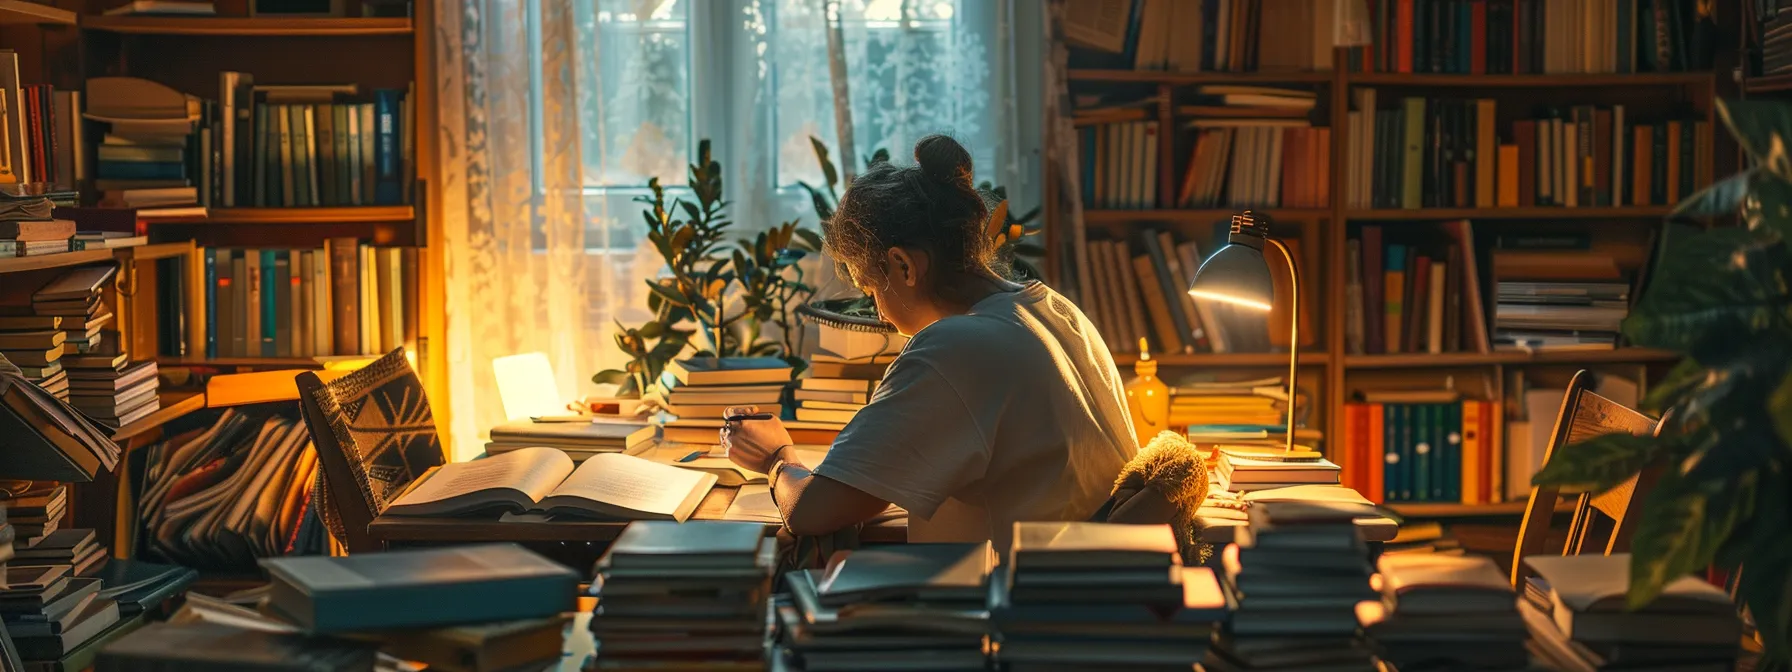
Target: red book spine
1404, 19
1477, 40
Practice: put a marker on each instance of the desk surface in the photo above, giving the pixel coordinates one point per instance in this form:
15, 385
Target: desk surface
464, 529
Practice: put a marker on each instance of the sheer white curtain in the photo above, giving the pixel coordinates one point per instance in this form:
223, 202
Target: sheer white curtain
557, 112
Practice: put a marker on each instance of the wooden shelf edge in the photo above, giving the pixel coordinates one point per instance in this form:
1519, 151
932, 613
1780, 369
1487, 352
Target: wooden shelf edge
1455, 510
22, 12
1519, 81
293, 362
1168, 77
58, 260
319, 215
1105, 216
174, 405
246, 26
1508, 213
1428, 360
1239, 359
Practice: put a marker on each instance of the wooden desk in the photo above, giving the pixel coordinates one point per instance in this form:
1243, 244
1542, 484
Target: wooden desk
422, 530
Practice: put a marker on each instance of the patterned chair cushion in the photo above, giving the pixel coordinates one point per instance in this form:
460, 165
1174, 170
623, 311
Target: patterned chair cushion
381, 418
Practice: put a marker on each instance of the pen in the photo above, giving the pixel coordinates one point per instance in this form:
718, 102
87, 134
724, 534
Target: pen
755, 416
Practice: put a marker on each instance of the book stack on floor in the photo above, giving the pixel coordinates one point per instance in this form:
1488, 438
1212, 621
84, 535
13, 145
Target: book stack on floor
478, 608
1445, 612
844, 373
687, 596
909, 607
1299, 569
1575, 608
27, 229
1107, 596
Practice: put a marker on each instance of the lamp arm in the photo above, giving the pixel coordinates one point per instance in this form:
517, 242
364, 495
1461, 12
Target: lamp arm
1293, 339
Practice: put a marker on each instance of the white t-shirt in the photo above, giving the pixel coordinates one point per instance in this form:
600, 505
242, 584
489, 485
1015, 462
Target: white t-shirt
1011, 412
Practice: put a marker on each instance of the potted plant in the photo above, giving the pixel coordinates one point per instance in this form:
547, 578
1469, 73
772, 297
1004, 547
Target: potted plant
1722, 297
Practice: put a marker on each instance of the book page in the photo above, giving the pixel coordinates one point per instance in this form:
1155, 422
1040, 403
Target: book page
754, 503
532, 471
633, 483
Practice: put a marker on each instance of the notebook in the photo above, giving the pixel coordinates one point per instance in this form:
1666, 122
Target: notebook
702, 544
947, 572
1074, 545
481, 583
544, 480
1433, 584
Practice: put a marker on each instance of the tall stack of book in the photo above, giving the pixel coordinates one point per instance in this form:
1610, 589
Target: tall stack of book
35, 345
50, 612
912, 607
1445, 612
103, 383
148, 157
1107, 595
844, 373
692, 594
34, 510
703, 388
27, 228
1299, 570
1260, 403
1578, 620
1257, 146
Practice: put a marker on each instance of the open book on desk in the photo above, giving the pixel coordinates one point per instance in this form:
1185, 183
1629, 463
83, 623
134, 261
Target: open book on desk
543, 480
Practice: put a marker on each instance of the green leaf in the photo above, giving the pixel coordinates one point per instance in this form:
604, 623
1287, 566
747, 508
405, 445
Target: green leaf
610, 377
1682, 378
651, 330
1779, 409
669, 294
1716, 291
1717, 200
1762, 129
810, 239
828, 171
1599, 463
1768, 208
1682, 526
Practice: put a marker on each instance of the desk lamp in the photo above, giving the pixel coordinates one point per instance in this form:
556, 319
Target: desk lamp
1239, 275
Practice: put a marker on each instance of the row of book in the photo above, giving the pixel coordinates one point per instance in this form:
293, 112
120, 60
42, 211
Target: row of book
1449, 153
42, 127
1534, 37
1140, 292
1776, 41
346, 298
62, 346
296, 146
1201, 35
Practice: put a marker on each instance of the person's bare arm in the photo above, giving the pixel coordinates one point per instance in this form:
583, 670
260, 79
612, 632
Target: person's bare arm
813, 505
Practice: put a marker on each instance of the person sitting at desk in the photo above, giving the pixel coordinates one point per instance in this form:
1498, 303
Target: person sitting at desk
1004, 406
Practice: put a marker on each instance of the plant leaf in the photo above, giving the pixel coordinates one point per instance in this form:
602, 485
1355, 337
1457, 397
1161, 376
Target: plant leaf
651, 330
1683, 377
610, 377
810, 239
828, 171
1779, 409
1599, 463
1682, 526
1717, 291
1762, 129
669, 294
1717, 200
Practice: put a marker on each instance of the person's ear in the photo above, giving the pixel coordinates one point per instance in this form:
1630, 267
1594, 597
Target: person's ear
906, 267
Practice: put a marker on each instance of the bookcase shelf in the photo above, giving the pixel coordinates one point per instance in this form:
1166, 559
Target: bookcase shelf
22, 12
1226, 359
1768, 84
174, 404
58, 260
1424, 360
1529, 81
1167, 77
1198, 215
247, 27
252, 362
1415, 214
319, 215
1455, 510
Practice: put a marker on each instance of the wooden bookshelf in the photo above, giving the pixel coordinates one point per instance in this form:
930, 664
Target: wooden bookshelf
22, 12
318, 215
1569, 81
218, 26
58, 260
243, 362
1226, 360
1455, 510
1200, 216
1166, 77
1534, 213
1422, 360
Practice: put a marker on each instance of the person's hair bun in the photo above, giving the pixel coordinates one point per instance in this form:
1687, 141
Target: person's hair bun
943, 160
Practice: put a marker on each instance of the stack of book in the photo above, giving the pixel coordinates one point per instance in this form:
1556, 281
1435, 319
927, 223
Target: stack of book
692, 594
1261, 403
111, 393
27, 229
1250, 474
35, 344
78, 549
705, 387
50, 612
1107, 595
1776, 42
911, 607
1543, 315
844, 373
46, 439
1423, 537
579, 440
1445, 612
412, 589
34, 509
1257, 147
1299, 570
1575, 608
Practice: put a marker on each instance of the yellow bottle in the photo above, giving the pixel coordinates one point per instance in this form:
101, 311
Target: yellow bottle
1147, 398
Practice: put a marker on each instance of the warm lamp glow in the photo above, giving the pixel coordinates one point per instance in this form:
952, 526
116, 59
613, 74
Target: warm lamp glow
1228, 298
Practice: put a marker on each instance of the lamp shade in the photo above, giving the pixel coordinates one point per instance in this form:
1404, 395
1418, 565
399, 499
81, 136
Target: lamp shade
1237, 274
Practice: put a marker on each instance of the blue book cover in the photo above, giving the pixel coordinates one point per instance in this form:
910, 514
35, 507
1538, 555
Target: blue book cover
269, 309
386, 188
211, 303
1465, 38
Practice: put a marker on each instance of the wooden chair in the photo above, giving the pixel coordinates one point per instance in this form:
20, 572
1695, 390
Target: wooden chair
374, 435
1585, 415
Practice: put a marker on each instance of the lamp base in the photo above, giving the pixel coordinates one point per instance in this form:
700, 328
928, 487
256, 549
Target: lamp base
1273, 453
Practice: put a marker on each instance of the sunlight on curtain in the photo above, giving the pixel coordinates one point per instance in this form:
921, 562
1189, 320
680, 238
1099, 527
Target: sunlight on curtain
557, 112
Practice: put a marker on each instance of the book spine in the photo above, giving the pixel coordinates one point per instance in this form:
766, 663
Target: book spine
211, 303
387, 190
345, 299
269, 308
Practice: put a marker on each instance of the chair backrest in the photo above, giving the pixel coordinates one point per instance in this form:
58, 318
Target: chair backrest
374, 435
1585, 415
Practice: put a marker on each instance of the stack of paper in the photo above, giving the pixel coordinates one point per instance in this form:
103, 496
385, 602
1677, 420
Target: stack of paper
910, 607
1575, 610
1299, 570
1445, 612
691, 594
1103, 596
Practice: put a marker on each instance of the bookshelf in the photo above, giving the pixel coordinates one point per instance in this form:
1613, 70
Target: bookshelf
31, 13
1332, 374
247, 26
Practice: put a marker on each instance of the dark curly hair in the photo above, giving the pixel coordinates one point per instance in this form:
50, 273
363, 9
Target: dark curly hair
933, 206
